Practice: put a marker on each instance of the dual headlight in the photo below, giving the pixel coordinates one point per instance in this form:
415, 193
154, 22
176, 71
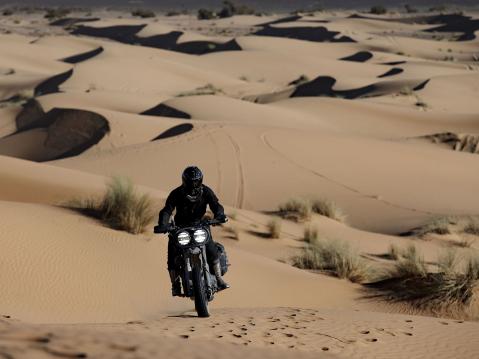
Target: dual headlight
199, 236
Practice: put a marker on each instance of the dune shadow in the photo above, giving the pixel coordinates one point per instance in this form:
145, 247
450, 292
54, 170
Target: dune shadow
163, 110
314, 34
323, 86
174, 131
291, 18
361, 56
392, 72
70, 21
75, 59
52, 84
127, 34
394, 63
449, 23
258, 234
68, 132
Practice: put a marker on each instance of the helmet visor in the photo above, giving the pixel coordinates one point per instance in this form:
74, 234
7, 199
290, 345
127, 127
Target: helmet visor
193, 187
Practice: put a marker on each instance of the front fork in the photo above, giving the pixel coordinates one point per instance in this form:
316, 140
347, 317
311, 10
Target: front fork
197, 256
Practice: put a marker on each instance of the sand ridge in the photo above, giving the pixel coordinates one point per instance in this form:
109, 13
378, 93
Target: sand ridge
376, 113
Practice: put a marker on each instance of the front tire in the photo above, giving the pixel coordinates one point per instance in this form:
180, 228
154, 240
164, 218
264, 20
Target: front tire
201, 300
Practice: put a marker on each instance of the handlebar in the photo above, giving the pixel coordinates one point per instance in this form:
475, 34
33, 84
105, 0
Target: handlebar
171, 227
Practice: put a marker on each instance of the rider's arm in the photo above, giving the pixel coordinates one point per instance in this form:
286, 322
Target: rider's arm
213, 202
167, 211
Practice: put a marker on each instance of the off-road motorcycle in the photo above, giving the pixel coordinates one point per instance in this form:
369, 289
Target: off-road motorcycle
197, 281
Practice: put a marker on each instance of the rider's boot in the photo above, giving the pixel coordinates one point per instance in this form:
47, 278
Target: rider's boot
219, 279
175, 284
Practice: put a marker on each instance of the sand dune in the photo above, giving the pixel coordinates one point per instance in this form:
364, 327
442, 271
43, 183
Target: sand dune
361, 110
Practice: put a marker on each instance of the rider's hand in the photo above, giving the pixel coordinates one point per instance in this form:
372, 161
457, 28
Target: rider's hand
161, 229
221, 218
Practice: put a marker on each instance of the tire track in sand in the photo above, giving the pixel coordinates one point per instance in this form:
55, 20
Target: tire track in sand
340, 184
241, 178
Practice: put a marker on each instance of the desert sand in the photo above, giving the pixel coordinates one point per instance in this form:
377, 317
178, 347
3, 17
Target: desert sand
376, 113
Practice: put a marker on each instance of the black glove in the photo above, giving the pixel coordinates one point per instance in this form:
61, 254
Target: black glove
221, 218
161, 229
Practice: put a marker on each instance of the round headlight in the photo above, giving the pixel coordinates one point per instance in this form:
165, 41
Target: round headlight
184, 238
200, 235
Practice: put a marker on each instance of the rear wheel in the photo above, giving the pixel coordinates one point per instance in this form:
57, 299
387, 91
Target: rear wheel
201, 300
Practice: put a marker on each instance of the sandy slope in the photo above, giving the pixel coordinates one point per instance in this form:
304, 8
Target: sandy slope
350, 130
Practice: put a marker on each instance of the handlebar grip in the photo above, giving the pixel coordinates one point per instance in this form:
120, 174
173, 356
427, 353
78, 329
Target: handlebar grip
158, 229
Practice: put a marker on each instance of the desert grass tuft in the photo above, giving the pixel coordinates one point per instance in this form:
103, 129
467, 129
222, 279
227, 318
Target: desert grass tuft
234, 232
412, 264
472, 226
296, 209
447, 261
311, 234
394, 252
301, 80
121, 207
451, 291
274, 228
437, 225
208, 89
465, 242
327, 208
406, 90
334, 257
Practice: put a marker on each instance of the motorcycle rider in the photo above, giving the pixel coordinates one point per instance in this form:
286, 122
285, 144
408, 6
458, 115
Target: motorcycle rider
190, 201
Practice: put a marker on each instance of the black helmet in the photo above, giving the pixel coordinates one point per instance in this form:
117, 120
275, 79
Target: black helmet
192, 178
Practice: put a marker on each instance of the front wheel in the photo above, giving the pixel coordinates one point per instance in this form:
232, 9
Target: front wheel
201, 301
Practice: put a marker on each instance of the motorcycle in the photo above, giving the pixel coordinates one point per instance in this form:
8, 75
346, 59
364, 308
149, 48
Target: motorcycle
197, 282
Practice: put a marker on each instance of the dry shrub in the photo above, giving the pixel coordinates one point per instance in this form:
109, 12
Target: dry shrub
334, 257
301, 80
234, 232
437, 225
452, 290
378, 10
143, 13
121, 207
472, 226
465, 242
411, 265
327, 208
208, 89
296, 209
311, 234
274, 228
394, 252
406, 90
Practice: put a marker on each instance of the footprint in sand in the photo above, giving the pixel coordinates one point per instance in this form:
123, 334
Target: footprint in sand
43, 340
408, 334
444, 323
408, 321
372, 340
365, 332
324, 349
184, 336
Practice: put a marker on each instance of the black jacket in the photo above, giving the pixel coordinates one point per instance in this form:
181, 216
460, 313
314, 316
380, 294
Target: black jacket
188, 212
